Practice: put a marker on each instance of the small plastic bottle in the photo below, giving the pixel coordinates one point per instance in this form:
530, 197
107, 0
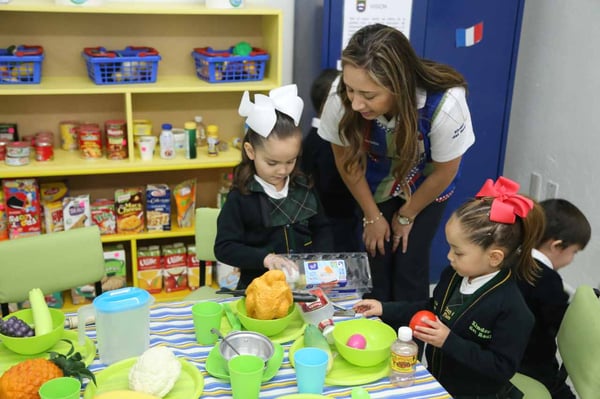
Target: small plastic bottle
200, 131
167, 142
404, 358
190, 140
212, 139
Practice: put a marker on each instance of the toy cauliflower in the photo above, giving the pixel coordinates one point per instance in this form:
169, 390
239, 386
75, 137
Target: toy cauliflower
269, 296
155, 372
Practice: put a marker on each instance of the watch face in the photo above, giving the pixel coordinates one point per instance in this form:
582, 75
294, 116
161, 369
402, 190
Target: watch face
404, 220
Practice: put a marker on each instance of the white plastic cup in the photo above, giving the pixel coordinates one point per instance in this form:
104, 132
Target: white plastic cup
146, 145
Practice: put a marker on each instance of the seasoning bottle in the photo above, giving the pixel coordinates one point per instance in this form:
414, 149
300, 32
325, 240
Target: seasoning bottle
200, 131
212, 139
404, 359
190, 140
167, 142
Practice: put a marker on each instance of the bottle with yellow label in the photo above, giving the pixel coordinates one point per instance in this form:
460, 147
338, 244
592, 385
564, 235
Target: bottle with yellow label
404, 359
212, 139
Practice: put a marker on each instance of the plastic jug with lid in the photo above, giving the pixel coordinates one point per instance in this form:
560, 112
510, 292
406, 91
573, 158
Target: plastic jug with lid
122, 323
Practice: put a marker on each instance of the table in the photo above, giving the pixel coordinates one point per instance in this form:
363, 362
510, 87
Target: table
171, 325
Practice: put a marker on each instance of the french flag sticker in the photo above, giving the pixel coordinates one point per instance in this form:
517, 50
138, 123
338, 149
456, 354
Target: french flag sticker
470, 36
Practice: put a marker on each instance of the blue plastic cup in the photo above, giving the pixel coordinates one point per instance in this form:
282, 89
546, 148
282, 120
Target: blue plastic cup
311, 368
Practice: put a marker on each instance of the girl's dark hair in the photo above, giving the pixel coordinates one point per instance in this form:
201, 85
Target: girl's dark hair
516, 240
244, 172
389, 59
565, 222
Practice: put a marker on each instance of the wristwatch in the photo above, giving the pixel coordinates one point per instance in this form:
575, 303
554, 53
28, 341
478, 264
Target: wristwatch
404, 220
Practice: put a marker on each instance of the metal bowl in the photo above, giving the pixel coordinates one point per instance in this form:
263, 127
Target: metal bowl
247, 343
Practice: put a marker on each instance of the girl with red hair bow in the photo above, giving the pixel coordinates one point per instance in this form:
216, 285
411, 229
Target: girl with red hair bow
483, 324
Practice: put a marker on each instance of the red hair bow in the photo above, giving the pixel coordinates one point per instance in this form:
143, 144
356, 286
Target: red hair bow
507, 203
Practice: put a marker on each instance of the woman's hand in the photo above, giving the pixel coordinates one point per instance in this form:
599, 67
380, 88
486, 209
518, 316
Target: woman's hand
375, 234
368, 307
400, 233
435, 334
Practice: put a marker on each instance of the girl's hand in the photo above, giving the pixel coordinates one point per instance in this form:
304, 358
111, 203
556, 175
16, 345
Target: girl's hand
400, 234
278, 262
375, 235
435, 334
368, 307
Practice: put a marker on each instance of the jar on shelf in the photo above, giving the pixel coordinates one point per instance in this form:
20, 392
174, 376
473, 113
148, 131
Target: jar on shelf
116, 139
90, 141
212, 140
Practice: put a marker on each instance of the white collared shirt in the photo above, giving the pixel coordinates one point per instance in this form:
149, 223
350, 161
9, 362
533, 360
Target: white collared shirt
538, 255
270, 189
467, 288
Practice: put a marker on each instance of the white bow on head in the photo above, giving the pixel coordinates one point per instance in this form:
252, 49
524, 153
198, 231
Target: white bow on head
260, 115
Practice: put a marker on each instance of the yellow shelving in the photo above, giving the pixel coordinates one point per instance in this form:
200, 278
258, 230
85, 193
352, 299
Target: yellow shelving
66, 92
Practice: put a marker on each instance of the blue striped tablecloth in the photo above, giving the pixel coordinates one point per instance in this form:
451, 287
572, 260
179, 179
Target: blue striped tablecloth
171, 325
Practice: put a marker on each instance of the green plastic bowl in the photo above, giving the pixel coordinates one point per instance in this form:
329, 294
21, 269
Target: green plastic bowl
379, 337
265, 327
35, 344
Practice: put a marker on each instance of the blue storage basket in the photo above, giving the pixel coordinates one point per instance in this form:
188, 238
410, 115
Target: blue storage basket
21, 64
130, 65
217, 66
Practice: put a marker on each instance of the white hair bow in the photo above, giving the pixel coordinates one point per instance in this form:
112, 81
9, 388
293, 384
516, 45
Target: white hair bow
260, 115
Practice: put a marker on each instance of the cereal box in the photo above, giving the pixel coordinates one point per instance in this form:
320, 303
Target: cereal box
158, 207
3, 218
149, 269
52, 194
77, 212
22, 200
129, 208
175, 262
104, 216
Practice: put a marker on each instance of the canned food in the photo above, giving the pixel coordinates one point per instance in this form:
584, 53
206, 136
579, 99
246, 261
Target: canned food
44, 137
116, 139
17, 161
18, 149
3, 145
44, 151
90, 140
68, 135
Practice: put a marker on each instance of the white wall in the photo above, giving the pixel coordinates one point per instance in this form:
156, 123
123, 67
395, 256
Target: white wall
553, 128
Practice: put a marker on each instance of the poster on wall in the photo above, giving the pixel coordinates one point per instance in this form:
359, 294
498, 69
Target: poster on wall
358, 13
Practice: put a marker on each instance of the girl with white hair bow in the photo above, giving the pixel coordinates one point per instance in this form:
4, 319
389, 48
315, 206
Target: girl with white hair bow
271, 209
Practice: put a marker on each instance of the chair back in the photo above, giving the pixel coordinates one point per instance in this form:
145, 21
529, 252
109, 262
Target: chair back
52, 262
579, 342
206, 233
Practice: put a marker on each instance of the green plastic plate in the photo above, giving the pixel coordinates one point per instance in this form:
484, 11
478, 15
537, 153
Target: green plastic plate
116, 376
346, 374
9, 358
216, 365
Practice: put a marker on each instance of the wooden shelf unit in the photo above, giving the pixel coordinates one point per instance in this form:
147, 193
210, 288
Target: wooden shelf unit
66, 93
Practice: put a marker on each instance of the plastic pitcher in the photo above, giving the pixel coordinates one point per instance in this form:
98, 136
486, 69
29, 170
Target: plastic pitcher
122, 323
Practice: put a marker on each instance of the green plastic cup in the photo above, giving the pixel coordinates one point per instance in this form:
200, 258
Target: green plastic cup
206, 315
245, 373
60, 388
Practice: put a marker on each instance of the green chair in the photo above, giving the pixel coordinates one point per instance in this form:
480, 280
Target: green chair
52, 262
206, 233
579, 342
531, 388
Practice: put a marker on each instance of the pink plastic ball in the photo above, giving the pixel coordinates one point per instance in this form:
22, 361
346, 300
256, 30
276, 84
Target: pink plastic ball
357, 341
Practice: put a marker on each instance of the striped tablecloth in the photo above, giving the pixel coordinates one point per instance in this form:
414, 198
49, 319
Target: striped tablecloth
171, 325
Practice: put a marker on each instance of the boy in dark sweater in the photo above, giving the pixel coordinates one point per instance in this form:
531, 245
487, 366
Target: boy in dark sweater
567, 232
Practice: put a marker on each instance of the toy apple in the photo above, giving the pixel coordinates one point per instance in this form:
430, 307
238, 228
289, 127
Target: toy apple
417, 318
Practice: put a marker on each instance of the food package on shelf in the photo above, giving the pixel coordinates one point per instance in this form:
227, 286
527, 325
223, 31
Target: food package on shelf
104, 215
77, 212
175, 267
158, 207
185, 202
149, 269
129, 207
23, 208
193, 268
51, 196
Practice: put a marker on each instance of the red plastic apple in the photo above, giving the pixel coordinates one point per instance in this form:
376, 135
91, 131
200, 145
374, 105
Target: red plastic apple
417, 318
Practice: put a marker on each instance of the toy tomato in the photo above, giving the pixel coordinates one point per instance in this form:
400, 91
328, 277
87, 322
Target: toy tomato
420, 315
